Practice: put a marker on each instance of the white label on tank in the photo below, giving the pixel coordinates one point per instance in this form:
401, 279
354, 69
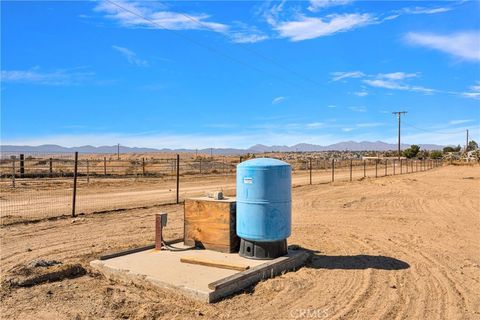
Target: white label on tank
248, 180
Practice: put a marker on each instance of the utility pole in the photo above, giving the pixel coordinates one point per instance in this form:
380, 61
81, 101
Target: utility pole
466, 146
118, 151
399, 115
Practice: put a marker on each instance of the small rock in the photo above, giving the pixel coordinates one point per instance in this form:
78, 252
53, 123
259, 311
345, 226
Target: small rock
49, 292
199, 313
28, 249
393, 286
43, 263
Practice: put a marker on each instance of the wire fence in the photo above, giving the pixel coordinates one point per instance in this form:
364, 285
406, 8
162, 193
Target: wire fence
36, 186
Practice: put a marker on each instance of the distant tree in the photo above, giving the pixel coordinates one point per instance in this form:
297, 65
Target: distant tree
423, 154
411, 152
436, 154
472, 145
452, 149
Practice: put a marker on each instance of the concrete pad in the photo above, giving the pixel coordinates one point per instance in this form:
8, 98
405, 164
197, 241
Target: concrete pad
163, 269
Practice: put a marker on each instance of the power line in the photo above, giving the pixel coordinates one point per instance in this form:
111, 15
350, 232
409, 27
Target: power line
432, 131
200, 44
255, 52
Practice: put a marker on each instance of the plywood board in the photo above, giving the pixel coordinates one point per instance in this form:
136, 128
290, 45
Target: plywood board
211, 223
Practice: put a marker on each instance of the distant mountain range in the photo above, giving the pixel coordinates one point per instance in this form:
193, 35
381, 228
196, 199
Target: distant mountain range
258, 148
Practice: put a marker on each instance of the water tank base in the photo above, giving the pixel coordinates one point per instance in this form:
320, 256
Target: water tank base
262, 250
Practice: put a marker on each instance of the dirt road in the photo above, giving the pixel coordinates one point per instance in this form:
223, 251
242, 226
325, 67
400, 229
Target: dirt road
400, 247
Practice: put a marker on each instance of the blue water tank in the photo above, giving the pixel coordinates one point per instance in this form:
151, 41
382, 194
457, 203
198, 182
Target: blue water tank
264, 200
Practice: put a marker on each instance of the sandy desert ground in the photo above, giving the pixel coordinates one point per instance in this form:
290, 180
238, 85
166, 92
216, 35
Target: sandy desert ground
399, 247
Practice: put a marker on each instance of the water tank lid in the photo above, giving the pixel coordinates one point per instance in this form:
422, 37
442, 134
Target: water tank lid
263, 162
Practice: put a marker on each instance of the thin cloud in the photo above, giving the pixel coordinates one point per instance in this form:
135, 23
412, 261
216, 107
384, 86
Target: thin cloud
336, 76
331, 106
397, 75
239, 37
131, 56
392, 81
154, 18
425, 10
278, 100
305, 28
361, 93
473, 93
317, 5
358, 109
60, 77
315, 125
369, 124
160, 18
243, 33
463, 45
456, 122
387, 84
395, 85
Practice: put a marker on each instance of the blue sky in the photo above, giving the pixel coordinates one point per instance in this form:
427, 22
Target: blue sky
234, 74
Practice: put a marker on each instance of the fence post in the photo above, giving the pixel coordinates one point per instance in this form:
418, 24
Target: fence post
13, 172
178, 178
143, 166
401, 166
241, 159
394, 167
88, 171
310, 170
351, 164
376, 168
75, 168
333, 170
51, 167
104, 166
22, 165
201, 165
364, 168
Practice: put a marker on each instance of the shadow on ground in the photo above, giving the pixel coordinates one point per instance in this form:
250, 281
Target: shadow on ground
356, 262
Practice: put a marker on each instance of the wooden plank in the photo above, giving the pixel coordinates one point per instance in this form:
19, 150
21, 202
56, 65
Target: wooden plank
214, 263
263, 271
